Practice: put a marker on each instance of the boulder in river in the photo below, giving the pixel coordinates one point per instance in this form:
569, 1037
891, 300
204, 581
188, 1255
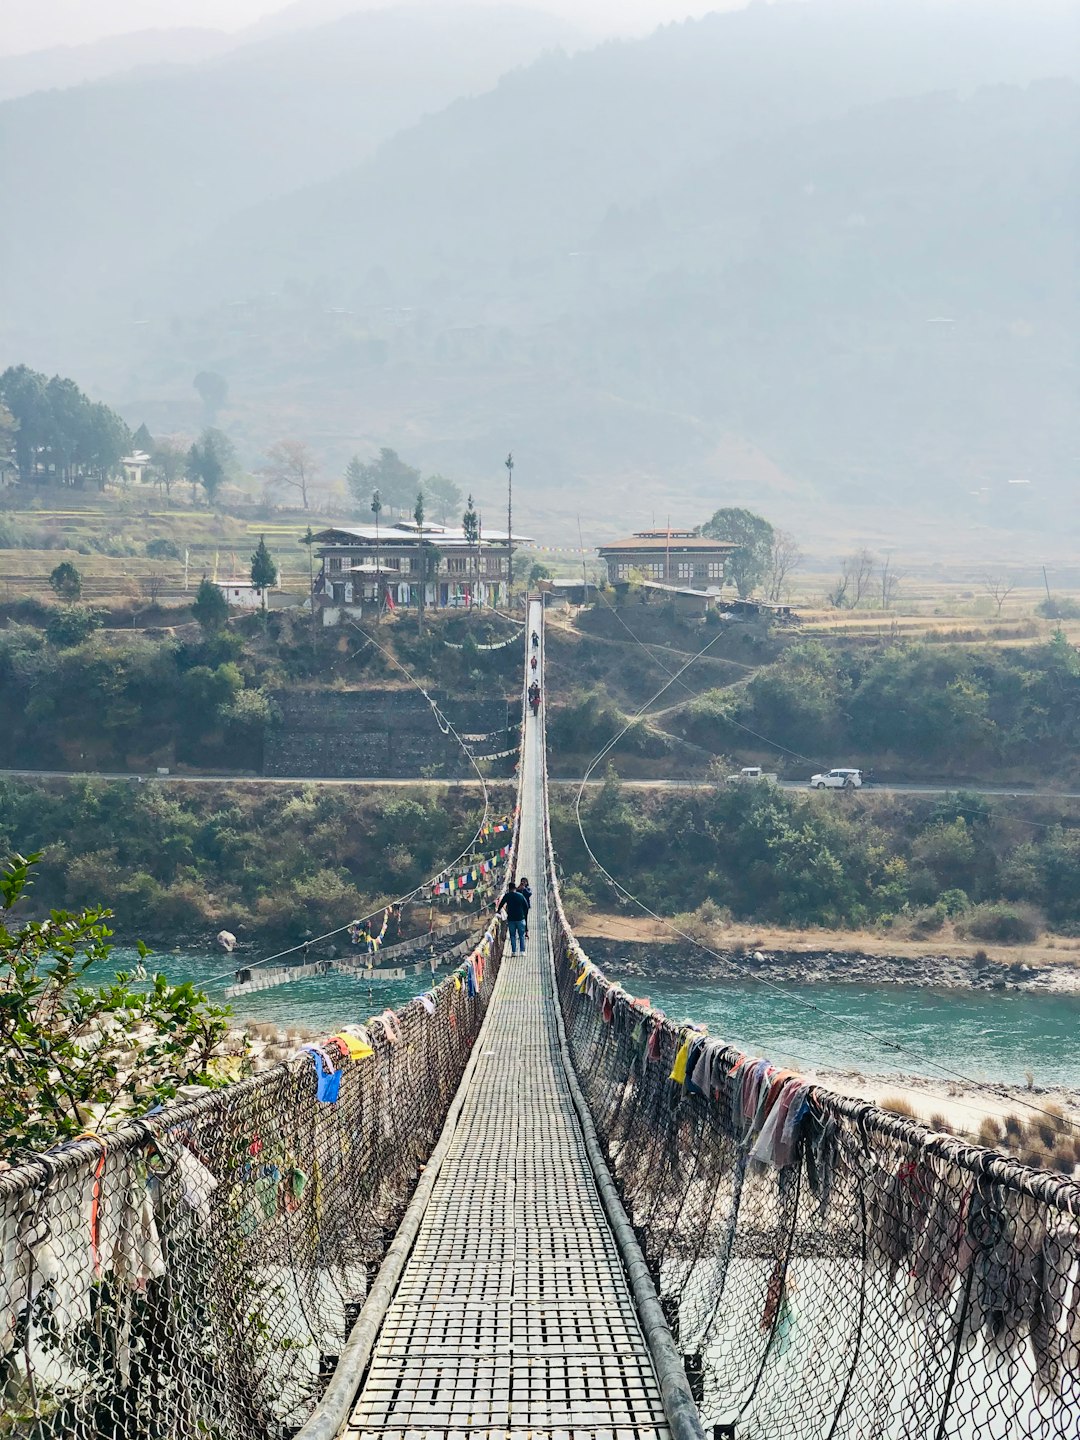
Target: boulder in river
226, 940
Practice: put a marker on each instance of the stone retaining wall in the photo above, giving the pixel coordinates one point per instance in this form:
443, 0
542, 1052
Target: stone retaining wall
379, 734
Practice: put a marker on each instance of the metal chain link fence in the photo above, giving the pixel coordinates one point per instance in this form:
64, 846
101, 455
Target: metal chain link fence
829, 1270
193, 1275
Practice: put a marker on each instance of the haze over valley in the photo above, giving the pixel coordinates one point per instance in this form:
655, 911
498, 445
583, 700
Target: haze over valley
819, 256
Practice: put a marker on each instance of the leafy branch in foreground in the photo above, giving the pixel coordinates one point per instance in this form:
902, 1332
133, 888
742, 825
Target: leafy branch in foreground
78, 1056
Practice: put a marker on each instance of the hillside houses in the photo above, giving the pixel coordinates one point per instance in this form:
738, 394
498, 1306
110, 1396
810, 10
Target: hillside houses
364, 566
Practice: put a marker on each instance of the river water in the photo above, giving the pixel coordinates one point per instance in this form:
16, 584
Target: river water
985, 1035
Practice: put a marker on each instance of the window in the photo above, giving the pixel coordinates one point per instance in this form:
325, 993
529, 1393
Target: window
457, 566
622, 571
335, 564
716, 569
684, 569
655, 570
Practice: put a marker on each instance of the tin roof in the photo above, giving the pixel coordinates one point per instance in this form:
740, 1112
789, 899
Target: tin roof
651, 544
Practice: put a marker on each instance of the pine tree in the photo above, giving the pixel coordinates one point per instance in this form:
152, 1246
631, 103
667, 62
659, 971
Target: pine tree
210, 607
263, 569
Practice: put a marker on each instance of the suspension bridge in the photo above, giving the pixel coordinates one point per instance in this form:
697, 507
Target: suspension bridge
528, 1206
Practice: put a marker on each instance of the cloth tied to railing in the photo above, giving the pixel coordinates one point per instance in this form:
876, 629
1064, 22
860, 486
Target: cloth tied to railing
237, 1231
830, 1269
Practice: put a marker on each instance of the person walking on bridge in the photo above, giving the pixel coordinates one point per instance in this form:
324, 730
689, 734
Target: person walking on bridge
516, 906
524, 888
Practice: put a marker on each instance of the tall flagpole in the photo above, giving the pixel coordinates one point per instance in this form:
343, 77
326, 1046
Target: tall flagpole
509, 462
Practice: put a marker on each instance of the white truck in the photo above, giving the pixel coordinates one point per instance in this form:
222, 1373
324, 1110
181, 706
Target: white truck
752, 772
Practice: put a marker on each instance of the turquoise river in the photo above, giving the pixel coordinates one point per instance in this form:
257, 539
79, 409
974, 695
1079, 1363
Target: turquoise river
982, 1035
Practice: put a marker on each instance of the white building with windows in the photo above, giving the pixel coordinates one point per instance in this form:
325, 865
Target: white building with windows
241, 594
367, 566
670, 557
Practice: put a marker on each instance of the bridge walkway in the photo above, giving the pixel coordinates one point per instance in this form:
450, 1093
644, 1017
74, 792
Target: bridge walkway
513, 1315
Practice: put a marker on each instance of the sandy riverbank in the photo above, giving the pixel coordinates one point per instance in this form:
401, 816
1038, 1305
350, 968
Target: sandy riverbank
961, 1104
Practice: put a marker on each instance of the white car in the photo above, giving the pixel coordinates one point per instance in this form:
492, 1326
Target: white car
837, 780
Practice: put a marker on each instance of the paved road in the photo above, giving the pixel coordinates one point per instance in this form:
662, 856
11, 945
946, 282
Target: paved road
892, 788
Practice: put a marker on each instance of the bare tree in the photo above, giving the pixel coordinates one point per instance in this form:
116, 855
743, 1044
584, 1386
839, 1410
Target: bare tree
889, 579
289, 464
854, 582
154, 585
999, 588
785, 557
167, 464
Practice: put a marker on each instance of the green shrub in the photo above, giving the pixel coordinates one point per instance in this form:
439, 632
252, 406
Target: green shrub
72, 624
1059, 607
1001, 923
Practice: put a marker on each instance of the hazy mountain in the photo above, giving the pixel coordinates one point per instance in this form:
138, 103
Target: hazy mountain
30, 25
820, 257
65, 65
717, 256
124, 171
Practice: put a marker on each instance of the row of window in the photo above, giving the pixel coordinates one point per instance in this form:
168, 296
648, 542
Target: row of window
454, 565
680, 570
344, 592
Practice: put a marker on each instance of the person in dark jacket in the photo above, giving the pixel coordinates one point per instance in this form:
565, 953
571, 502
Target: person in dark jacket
524, 888
517, 911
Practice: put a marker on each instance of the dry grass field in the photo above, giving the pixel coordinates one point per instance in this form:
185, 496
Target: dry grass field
933, 609
106, 539
1047, 950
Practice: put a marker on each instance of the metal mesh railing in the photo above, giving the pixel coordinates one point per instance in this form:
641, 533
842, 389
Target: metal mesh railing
828, 1269
194, 1274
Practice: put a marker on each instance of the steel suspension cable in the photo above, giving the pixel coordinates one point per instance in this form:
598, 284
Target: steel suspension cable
997, 1090
401, 899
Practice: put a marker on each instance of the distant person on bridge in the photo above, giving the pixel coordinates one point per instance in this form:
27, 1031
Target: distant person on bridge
534, 697
535, 640
532, 664
516, 906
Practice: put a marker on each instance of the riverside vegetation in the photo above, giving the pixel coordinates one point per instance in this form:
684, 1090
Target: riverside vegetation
999, 873
275, 863
271, 864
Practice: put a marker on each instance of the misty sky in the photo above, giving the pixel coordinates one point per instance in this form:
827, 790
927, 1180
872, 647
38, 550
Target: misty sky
39, 24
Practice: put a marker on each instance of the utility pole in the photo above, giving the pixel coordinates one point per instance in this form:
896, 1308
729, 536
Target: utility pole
584, 577
1046, 584
418, 516
376, 510
309, 540
509, 463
